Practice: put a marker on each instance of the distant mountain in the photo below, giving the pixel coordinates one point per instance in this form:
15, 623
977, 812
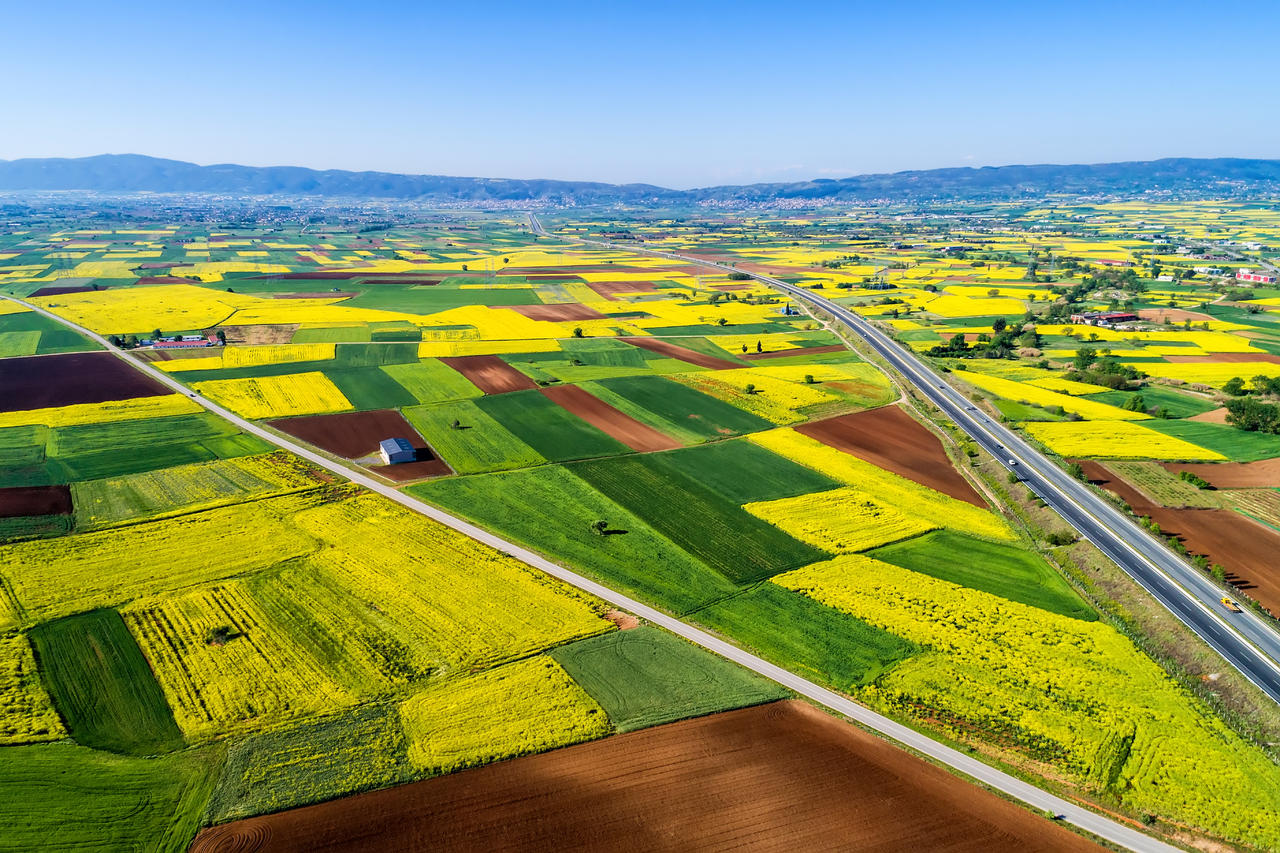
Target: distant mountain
123, 173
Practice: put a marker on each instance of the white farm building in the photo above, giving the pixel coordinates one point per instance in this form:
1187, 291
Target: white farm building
393, 450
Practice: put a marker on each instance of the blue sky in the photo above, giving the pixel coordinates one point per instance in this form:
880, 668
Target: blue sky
679, 94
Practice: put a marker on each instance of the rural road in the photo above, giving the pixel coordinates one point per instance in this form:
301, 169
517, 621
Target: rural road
1103, 827
1246, 640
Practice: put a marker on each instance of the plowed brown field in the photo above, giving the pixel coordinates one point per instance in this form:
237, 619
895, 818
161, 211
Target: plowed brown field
689, 356
45, 381
607, 419
1245, 548
35, 500
892, 439
350, 434
1234, 475
781, 777
490, 374
559, 313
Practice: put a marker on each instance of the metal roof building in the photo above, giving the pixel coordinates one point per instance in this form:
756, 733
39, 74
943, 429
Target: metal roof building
393, 450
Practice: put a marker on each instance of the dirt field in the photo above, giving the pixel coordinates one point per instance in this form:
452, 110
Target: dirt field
351, 434
1234, 475
1245, 548
686, 355
557, 313
35, 500
1214, 416
406, 471
490, 374
607, 419
1226, 358
280, 333
894, 440
1158, 315
610, 289
61, 291
41, 382
781, 777
163, 279
784, 353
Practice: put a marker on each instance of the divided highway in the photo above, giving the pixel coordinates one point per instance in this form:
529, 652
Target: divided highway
1246, 640
1119, 834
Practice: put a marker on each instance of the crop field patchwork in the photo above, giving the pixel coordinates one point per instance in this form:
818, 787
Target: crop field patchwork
276, 396
469, 439
26, 711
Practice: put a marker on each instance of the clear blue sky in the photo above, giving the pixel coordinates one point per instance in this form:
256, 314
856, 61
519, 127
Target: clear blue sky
679, 94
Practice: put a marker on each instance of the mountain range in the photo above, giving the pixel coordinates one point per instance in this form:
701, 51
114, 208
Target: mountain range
128, 173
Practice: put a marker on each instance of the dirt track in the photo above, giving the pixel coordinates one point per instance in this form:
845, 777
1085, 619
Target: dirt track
781, 777
490, 374
607, 419
892, 439
688, 356
45, 381
1245, 548
35, 500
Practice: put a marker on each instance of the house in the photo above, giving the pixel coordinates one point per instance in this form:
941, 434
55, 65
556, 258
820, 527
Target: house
1104, 318
1209, 270
1255, 277
396, 450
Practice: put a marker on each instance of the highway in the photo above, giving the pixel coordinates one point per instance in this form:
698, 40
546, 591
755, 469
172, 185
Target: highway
1247, 641
1117, 833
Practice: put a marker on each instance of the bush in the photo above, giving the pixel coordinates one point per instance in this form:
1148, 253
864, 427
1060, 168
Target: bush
1060, 537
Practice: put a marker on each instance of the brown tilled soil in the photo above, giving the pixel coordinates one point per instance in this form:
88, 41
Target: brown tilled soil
1158, 315
607, 419
41, 382
163, 279
406, 471
779, 777
686, 355
1213, 416
272, 333
610, 289
784, 353
557, 313
892, 439
35, 500
490, 374
1226, 358
1233, 475
624, 621
351, 434
1245, 548
60, 291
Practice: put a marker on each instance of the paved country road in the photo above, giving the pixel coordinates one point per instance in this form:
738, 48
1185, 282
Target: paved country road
1069, 812
1248, 641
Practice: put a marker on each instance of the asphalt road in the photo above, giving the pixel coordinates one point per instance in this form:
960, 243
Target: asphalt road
1246, 640
1117, 833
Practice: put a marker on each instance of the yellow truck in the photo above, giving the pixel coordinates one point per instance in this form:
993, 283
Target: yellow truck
1230, 605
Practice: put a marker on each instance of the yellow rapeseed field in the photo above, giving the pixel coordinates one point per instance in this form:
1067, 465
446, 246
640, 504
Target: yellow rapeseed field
841, 521
251, 356
140, 310
26, 714
165, 405
528, 706
886, 488
1209, 373
276, 396
1019, 391
1116, 440
438, 349
1077, 692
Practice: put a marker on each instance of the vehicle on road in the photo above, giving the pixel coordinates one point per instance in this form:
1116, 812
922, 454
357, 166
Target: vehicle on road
1231, 605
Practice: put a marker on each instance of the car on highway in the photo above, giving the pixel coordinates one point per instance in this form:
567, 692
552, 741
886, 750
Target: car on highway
1231, 605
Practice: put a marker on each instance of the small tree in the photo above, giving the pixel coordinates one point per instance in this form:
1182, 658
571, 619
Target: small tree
722, 322
759, 347
1076, 470
808, 379
751, 388
464, 267
457, 424
155, 336
599, 527
577, 331
222, 337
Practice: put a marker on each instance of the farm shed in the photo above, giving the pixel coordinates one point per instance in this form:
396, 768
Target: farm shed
394, 450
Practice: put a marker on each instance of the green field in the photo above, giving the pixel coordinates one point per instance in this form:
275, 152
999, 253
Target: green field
70, 798
374, 354
371, 388
1004, 570
1235, 444
319, 760
480, 444
742, 472
432, 381
646, 677
550, 510
29, 333
332, 334
102, 686
699, 414
553, 432
719, 532
804, 636
1156, 396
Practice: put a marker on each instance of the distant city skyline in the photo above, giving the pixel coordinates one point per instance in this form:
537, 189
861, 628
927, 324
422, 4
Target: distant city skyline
679, 96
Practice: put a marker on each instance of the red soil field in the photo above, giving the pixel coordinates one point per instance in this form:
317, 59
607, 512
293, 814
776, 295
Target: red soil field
261, 333
41, 382
1234, 475
557, 313
891, 439
687, 355
1226, 358
1245, 548
353, 434
490, 374
639, 437
164, 279
784, 353
61, 291
780, 777
35, 500
1158, 315
1214, 416
608, 289
406, 471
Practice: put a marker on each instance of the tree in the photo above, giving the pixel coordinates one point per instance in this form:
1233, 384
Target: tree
222, 337
738, 276
1084, 358
808, 379
156, 335
1135, 404
759, 347
577, 331
1234, 386
722, 322
1252, 415
599, 527
750, 389
999, 325
1076, 470
464, 267
114, 340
